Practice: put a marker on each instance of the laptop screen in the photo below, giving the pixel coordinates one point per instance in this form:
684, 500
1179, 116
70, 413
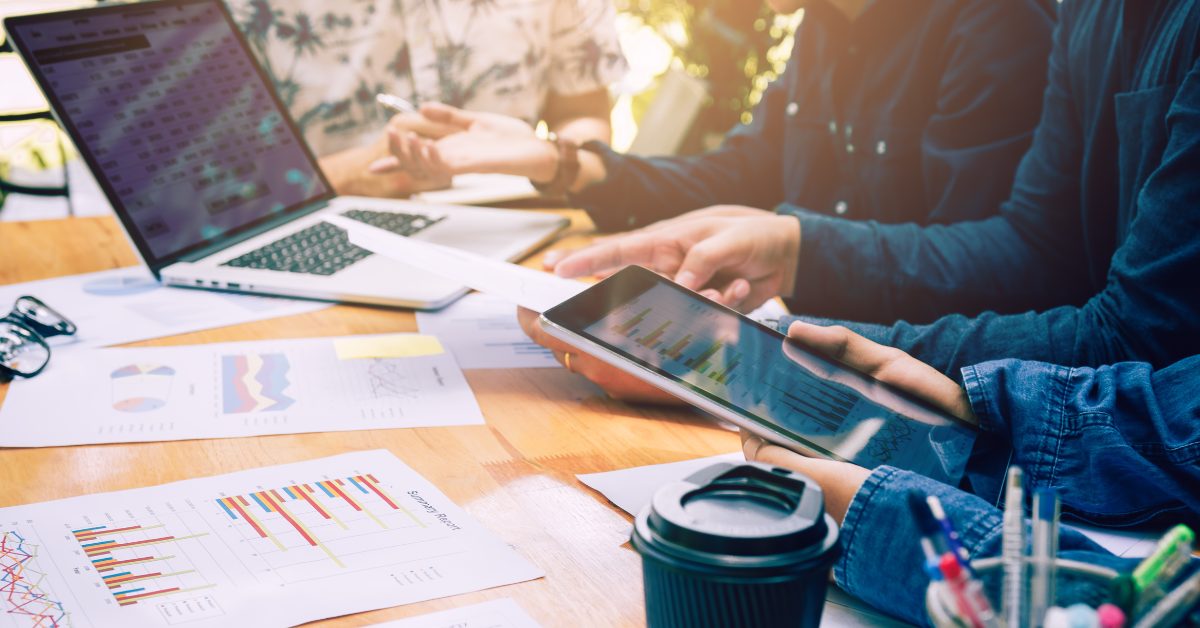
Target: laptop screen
175, 118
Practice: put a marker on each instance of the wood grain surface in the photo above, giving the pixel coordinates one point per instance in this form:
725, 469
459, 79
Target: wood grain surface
516, 474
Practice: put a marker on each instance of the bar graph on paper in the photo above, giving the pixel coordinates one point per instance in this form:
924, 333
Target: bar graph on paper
321, 528
139, 561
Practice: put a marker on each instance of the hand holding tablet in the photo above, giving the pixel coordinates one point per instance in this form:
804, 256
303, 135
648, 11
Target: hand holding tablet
755, 377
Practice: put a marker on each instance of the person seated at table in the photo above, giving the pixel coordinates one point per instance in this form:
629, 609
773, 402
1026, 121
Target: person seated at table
1126, 427
1090, 261
889, 111
550, 60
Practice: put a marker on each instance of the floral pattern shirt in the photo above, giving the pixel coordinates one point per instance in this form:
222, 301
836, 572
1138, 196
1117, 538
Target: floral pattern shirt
330, 59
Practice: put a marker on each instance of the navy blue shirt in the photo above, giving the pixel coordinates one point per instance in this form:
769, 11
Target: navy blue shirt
1094, 257
916, 111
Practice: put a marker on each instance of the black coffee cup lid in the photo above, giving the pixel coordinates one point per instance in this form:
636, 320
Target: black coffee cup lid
745, 512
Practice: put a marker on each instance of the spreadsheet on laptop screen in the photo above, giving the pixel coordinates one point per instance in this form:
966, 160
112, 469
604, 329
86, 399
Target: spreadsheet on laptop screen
176, 117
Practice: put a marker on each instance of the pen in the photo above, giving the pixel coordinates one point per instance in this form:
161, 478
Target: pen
395, 104
953, 541
1013, 549
930, 534
1174, 606
1154, 573
960, 585
1045, 551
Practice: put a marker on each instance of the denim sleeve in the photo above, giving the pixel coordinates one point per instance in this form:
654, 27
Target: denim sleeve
881, 559
744, 170
1124, 427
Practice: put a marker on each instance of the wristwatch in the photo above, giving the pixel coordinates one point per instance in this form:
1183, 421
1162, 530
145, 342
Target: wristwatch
565, 172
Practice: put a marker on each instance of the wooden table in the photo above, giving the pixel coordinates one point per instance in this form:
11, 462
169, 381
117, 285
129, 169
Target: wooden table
516, 474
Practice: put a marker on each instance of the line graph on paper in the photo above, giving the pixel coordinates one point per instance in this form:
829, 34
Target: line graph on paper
325, 528
25, 593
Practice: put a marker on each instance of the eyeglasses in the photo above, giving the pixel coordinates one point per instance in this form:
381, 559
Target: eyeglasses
23, 333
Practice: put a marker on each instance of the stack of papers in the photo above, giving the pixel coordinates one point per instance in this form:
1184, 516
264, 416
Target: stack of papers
482, 333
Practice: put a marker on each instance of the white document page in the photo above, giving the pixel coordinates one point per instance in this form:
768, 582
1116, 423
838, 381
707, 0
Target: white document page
502, 613
482, 332
275, 546
526, 287
126, 304
237, 389
478, 189
632, 489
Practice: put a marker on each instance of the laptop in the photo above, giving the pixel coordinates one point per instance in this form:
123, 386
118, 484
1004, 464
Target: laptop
210, 176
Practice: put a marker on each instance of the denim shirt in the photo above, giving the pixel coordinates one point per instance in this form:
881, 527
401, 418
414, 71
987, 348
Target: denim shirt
916, 111
1094, 257
1121, 444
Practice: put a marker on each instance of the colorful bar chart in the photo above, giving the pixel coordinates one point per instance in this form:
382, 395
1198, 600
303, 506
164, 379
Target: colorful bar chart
629, 327
315, 501
134, 561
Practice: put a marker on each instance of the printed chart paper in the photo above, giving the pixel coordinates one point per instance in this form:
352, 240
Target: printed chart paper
482, 332
502, 613
632, 489
126, 304
275, 546
231, 389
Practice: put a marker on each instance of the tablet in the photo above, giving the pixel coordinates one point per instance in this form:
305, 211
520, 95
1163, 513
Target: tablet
757, 378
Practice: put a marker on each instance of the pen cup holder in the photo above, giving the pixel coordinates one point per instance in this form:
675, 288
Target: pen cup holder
1075, 582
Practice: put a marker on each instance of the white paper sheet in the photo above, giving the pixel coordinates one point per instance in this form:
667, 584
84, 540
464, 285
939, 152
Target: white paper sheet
126, 304
479, 189
231, 389
482, 332
632, 489
275, 546
502, 613
1123, 543
533, 289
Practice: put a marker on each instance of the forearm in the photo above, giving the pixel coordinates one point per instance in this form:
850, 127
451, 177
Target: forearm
1142, 440
867, 271
881, 559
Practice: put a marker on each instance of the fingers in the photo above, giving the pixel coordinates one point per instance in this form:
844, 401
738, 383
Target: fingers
528, 319
706, 258
887, 364
844, 346
445, 114
635, 248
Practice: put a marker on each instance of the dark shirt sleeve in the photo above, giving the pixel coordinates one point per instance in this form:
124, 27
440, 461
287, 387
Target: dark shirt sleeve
1125, 427
744, 170
881, 559
1029, 257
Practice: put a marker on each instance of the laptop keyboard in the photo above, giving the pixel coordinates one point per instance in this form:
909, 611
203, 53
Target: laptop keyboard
324, 249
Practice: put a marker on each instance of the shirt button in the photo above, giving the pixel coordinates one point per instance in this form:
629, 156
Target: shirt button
833, 126
632, 220
849, 148
792, 108
841, 208
881, 148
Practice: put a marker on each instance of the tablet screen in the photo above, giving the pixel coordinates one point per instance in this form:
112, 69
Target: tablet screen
759, 374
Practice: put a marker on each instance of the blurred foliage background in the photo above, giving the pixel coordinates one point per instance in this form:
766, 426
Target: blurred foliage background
735, 46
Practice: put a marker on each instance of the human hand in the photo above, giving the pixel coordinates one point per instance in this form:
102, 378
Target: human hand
738, 260
839, 481
886, 364
552, 258
480, 143
616, 383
